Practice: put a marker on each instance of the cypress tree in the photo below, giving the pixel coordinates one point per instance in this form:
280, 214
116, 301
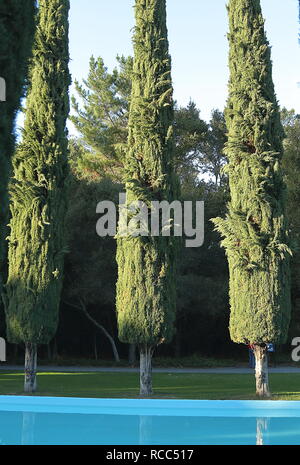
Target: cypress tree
38, 192
16, 35
146, 281
255, 232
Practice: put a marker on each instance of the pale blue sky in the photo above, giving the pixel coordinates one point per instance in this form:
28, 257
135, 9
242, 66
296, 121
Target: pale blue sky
198, 45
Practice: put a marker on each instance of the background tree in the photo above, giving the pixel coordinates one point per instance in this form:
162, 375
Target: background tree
102, 119
291, 167
255, 228
100, 115
90, 266
16, 35
193, 138
203, 307
202, 316
190, 134
212, 150
146, 265
38, 192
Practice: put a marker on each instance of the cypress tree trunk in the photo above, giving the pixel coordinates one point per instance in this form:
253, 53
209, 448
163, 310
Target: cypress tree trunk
261, 370
146, 353
255, 229
38, 190
30, 383
16, 36
146, 296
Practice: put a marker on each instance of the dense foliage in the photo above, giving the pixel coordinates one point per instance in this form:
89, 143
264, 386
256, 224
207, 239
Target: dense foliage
146, 265
38, 188
291, 166
16, 35
97, 159
255, 228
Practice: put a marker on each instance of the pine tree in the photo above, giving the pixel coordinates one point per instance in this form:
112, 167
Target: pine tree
101, 116
255, 229
38, 192
101, 119
16, 35
146, 281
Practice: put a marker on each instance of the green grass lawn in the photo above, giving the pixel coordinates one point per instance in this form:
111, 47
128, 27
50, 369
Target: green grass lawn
172, 386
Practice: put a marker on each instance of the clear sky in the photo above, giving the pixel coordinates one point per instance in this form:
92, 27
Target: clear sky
198, 45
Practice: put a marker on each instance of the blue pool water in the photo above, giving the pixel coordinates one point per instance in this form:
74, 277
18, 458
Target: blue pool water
69, 421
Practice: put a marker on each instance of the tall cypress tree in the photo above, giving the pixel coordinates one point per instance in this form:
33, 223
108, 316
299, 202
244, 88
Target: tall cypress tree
16, 36
146, 281
255, 229
38, 192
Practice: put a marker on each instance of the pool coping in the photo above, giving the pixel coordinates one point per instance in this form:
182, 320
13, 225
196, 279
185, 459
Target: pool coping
151, 407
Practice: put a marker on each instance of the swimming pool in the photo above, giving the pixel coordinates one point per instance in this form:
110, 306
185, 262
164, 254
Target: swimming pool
68, 421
